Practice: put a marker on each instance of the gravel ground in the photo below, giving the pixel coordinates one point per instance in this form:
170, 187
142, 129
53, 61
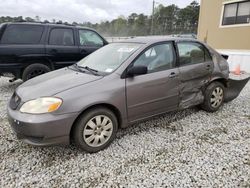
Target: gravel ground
190, 148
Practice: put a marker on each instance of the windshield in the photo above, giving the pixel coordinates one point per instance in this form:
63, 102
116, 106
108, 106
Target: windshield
110, 57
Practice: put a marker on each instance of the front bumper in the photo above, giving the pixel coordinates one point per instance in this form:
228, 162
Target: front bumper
43, 129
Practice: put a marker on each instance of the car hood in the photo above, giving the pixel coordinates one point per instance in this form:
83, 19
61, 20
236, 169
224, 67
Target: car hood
53, 82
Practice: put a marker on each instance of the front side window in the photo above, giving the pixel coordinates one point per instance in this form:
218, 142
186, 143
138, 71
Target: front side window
192, 53
22, 34
89, 38
236, 13
108, 58
61, 37
157, 58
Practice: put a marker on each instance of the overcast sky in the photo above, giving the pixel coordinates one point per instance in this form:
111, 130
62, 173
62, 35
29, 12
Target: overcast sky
80, 10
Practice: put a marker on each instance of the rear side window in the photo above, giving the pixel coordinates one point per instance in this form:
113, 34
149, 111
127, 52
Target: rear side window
89, 38
192, 53
22, 34
61, 37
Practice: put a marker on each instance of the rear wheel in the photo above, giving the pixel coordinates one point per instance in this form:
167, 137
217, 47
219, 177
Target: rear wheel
34, 70
95, 129
214, 97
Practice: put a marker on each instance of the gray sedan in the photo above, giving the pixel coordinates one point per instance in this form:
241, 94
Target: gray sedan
118, 85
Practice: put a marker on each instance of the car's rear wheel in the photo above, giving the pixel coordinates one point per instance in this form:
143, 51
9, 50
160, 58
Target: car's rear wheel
214, 97
95, 129
34, 70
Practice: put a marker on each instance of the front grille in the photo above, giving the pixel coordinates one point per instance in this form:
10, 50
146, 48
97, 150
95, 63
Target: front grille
14, 101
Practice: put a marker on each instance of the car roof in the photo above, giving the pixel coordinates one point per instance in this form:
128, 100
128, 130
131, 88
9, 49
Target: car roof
156, 39
48, 24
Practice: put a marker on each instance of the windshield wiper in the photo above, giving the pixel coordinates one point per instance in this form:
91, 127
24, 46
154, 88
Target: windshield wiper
93, 71
78, 68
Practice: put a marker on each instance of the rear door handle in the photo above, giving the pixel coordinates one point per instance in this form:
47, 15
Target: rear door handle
172, 75
208, 67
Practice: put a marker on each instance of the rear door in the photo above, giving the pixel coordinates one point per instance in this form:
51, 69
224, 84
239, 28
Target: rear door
157, 91
62, 48
195, 67
89, 41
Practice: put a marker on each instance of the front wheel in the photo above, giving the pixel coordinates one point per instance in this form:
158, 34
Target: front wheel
95, 129
214, 97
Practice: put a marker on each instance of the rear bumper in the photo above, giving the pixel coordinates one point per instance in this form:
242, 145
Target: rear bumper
235, 85
41, 130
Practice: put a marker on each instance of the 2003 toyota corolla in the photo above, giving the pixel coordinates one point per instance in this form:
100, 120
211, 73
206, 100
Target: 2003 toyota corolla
114, 87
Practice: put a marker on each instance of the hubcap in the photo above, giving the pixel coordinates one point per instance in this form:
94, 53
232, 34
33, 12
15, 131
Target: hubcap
217, 97
98, 131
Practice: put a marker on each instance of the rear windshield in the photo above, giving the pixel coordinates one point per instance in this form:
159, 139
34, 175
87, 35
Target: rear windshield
22, 34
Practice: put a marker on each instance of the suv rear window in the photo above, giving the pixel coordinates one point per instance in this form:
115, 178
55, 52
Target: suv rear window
22, 34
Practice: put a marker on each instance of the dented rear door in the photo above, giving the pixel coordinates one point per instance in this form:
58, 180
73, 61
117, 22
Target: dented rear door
195, 67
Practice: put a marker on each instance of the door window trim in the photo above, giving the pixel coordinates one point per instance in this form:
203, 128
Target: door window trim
124, 74
192, 42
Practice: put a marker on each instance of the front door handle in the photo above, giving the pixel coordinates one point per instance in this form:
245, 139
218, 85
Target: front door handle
172, 75
83, 51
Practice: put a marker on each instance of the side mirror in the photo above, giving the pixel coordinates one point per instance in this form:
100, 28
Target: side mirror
137, 70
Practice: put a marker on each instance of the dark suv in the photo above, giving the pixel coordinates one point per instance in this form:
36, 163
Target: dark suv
30, 49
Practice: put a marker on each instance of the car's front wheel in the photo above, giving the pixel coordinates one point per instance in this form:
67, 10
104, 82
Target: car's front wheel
95, 129
214, 97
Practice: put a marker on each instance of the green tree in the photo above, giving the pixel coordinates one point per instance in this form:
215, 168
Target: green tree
188, 18
167, 20
29, 19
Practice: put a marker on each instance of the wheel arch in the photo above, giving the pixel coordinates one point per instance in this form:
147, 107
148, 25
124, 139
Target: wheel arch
224, 81
41, 60
105, 105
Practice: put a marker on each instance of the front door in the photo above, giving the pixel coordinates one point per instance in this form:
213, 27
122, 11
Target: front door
157, 91
89, 41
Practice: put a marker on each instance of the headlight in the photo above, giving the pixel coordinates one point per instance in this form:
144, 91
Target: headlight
41, 105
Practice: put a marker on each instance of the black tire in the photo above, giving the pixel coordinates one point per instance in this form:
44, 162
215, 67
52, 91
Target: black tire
208, 105
81, 126
34, 70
